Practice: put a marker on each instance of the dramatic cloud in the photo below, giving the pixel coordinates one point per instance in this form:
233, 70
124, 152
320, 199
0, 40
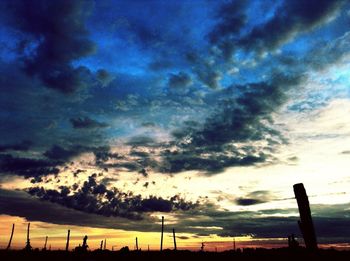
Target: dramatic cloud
180, 80
140, 141
54, 36
27, 167
59, 153
248, 201
255, 197
21, 146
104, 77
96, 198
87, 123
244, 118
232, 19
290, 19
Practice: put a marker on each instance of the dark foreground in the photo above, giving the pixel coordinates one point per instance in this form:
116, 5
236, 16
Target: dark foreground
247, 254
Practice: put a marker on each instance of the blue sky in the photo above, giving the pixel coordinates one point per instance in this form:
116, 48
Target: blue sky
108, 102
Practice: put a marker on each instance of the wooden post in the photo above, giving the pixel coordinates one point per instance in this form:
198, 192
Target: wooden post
105, 244
161, 239
174, 239
306, 225
9, 244
28, 227
137, 245
101, 246
28, 247
45, 243
67, 243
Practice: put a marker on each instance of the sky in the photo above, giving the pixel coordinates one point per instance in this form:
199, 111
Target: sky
115, 113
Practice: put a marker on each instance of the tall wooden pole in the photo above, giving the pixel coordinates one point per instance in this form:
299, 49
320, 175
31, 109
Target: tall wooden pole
174, 239
137, 245
12, 231
45, 242
67, 243
28, 240
161, 239
306, 225
28, 246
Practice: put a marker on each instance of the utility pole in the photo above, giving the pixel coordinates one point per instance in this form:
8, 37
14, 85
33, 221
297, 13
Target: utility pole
67, 243
45, 243
9, 244
161, 239
28, 247
174, 239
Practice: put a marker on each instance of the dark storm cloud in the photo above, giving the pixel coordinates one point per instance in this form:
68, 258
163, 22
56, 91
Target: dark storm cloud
231, 20
87, 123
141, 154
241, 119
58, 153
327, 53
27, 167
134, 161
103, 154
104, 77
96, 198
204, 70
54, 36
21, 146
179, 80
65, 154
248, 201
148, 124
290, 19
140, 141
216, 163
34, 113
209, 76
242, 115
255, 197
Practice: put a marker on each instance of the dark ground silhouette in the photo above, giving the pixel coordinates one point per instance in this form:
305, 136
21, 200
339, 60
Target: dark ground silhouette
168, 255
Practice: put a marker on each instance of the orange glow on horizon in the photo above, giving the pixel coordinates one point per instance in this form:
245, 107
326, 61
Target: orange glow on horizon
117, 238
